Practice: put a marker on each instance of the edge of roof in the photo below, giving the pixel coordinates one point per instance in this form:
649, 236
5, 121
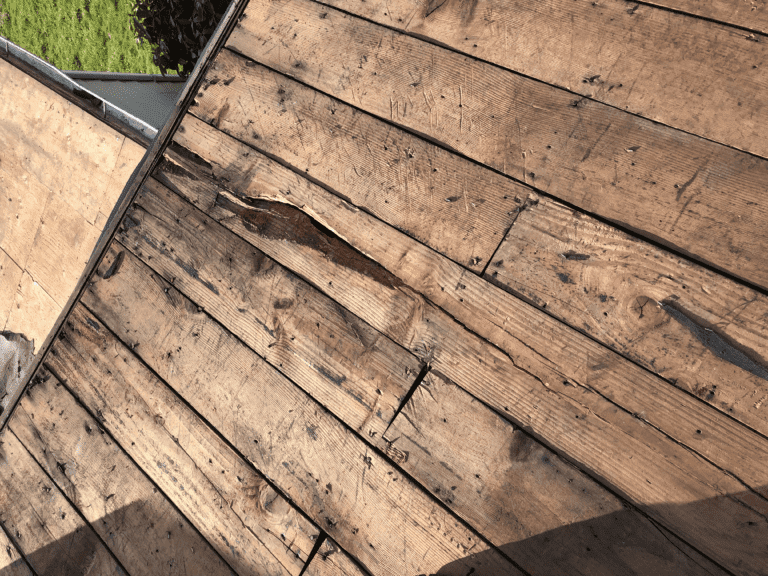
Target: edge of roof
58, 81
141, 173
122, 77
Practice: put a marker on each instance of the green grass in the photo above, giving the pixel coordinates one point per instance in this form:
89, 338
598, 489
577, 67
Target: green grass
91, 35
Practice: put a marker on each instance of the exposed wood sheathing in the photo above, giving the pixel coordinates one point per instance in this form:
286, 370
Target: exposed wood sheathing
384, 305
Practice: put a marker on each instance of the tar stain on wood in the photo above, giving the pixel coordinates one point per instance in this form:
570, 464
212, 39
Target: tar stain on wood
278, 221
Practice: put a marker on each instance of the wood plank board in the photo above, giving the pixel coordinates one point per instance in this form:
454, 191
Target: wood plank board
550, 393
33, 312
539, 509
351, 369
698, 197
493, 314
358, 497
704, 333
751, 14
698, 76
331, 560
50, 534
11, 561
136, 521
397, 176
10, 278
222, 495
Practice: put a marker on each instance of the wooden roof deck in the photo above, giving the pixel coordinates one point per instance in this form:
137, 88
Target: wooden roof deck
424, 288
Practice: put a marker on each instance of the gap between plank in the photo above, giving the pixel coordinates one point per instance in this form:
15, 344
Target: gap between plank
312, 553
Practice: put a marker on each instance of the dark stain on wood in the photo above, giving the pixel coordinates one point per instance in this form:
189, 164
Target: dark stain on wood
338, 380
279, 221
522, 446
282, 303
719, 344
115, 266
571, 255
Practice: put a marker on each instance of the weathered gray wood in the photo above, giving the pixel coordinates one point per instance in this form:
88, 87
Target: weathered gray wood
540, 510
571, 413
697, 196
50, 534
704, 333
351, 369
223, 496
11, 561
698, 76
359, 498
433, 195
138, 524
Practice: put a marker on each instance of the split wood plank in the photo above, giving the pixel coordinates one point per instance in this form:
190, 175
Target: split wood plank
351, 369
139, 525
331, 560
751, 14
688, 73
11, 561
69, 151
512, 325
702, 332
50, 534
231, 504
539, 509
553, 391
397, 176
358, 497
701, 198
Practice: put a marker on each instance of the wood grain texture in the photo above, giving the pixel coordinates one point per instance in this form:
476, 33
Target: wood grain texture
33, 312
539, 509
222, 495
399, 177
10, 278
331, 560
11, 561
62, 247
515, 327
359, 498
60, 144
701, 198
139, 525
351, 369
693, 75
23, 199
752, 14
50, 534
556, 392
706, 334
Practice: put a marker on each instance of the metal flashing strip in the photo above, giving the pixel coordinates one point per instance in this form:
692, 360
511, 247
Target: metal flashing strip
125, 77
61, 78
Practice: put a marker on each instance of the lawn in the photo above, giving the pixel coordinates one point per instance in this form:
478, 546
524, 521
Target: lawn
92, 35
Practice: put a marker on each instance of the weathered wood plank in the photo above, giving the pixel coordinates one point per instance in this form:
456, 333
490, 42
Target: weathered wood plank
11, 561
694, 195
50, 534
358, 497
33, 312
569, 413
23, 199
223, 496
351, 369
10, 278
331, 560
704, 333
64, 242
542, 511
502, 319
752, 14
397, 176
139, 525
698, 76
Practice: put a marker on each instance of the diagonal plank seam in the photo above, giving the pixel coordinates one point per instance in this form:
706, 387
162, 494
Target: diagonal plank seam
619, 225
527, 204
698, 16
75, 508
